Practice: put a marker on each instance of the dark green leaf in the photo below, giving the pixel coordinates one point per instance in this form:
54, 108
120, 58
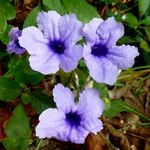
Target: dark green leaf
41, 101
4, 36
31, 19
143, 6
17, 130
126, 40
22, 72
84, 11
131, 20
117, 106
146, 21
102, 88
82, 75
55, 5
145, 46
9, 89
7, 11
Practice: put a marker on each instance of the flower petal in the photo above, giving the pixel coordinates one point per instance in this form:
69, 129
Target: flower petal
101, 69
33, 41
63, 97
89, 30
110, 30
69, 60
88, 101
123, 56
14, 33
48, 23
93, 125
45, 64
70, 29
78, 135
51, 122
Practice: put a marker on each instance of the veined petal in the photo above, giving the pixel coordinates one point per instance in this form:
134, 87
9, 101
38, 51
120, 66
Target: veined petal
110, 30
48, 23
51, 122
70, 29
69, 60
101, 69
78, 135
33, 41
89, 30
45, 64
123, 56
93, 125
63, 97
90, 105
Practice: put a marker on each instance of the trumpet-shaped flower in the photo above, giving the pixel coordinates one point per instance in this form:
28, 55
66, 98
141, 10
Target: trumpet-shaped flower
101, 54
14, 46
70, 121
53, 44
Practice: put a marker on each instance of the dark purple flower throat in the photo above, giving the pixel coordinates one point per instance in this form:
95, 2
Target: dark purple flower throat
57, 46
99, 50
73, 119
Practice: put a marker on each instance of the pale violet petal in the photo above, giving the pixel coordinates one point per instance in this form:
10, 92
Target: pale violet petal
51, 122
123, 56
78, 135
93, 125
63, 97
89, 30
33, 41
70, 29
110, 31
90, 105
69, 60
45, 64
101, 69
48, 23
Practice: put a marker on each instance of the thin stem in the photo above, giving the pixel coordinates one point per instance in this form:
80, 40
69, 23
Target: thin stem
39, 144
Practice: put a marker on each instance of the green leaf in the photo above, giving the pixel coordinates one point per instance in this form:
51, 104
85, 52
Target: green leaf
41, 101
84, 11
7, 11
117, 106
145, 46
31, 19
102, 88
147, 31
146, 57
143, 6
82, 73
54, 5
131, 20
9, 89
126, 40
25, 74
146, 21
4, 36
17, 130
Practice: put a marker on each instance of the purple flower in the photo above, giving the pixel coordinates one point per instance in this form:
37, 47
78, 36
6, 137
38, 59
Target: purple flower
101, 54
14, 46
53, 44
71, 122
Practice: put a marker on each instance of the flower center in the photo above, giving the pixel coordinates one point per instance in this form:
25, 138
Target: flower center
57, 46
99, 50
73, 119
